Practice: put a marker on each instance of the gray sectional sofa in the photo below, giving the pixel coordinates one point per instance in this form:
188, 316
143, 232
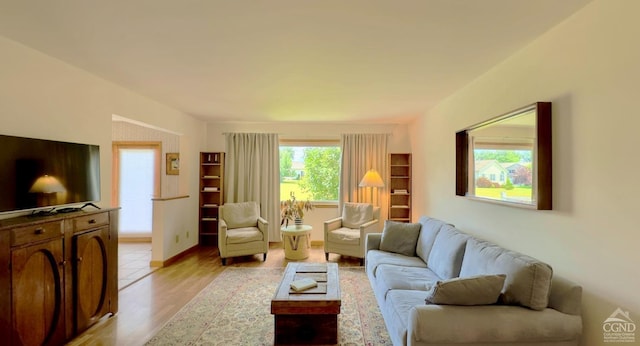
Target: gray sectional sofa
436, 285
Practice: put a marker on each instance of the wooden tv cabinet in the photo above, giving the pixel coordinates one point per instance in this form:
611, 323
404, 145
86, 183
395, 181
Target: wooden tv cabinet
58, 275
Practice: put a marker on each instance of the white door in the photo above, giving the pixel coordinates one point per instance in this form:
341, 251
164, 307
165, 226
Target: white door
136, 185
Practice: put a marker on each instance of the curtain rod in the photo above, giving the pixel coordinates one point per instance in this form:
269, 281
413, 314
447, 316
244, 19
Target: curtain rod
303, 137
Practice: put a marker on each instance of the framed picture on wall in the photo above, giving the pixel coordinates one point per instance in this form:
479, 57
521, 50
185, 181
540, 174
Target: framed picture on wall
173, 163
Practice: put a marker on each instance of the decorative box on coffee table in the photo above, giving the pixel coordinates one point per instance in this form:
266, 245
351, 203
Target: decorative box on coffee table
310, 316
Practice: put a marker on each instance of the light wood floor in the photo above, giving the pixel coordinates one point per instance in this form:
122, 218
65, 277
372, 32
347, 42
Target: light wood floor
146, 305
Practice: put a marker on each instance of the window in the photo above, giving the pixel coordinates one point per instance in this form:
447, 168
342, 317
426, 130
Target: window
516, 185
310, 169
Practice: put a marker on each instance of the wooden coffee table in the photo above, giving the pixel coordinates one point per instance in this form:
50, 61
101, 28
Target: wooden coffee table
311, 316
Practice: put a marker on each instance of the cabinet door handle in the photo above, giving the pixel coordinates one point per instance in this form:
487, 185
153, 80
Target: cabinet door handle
92, 221
39, 231
62, 263
79, 259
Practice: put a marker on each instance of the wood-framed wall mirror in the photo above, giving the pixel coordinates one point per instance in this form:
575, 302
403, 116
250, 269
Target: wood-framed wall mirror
507, 159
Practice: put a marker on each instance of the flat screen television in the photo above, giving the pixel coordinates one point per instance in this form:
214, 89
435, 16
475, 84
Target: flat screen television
36, 174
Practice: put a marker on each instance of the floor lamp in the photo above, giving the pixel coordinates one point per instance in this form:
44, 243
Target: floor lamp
371, 179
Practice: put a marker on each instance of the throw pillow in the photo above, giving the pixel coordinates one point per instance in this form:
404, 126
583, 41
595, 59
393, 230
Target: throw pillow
475, 290
400, 237
355, 214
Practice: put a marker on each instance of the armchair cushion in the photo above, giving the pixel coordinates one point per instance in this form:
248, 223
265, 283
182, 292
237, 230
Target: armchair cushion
400, 237
356, 214
344, 236
244, 235
238, 215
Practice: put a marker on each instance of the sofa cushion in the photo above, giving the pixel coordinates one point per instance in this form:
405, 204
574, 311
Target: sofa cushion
376, 258
244, 214
355, 214
393, 277
528, 280
396, 311
445, 257
475, 290
428, 231
400, 237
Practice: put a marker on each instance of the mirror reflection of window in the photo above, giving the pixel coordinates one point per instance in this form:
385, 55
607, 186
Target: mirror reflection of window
503, 159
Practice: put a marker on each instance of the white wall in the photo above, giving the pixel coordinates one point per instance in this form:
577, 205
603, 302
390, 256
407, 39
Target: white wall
43, 97
589, 67
398, 143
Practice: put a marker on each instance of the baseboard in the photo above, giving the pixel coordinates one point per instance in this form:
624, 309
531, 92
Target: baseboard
317, 242
134, 239
173, 259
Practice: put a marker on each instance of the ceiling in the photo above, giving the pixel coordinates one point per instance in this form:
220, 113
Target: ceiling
285, 60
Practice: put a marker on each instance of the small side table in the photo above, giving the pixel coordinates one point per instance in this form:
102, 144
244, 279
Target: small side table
297, 241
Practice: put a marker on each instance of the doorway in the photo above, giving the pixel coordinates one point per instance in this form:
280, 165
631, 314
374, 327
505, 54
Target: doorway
136, 181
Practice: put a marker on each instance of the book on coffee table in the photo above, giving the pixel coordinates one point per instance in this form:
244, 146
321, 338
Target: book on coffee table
303, 284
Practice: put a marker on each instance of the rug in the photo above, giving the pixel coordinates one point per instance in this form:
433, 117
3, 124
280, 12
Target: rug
235, 309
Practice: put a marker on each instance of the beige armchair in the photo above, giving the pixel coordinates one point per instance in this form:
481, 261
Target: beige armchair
241, 231
346, 234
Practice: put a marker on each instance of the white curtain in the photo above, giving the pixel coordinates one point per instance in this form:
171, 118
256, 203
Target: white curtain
360, 153
252, 173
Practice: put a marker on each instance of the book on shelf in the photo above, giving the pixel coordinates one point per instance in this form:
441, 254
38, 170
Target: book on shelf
401, 191
400, 206
303, 284
209, 219
208, 188
211, 176
209, 205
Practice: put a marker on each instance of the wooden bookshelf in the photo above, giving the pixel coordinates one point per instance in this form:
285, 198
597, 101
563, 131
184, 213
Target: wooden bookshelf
400, 187
211, 195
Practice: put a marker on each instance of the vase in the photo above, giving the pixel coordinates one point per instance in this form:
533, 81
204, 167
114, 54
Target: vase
298, 221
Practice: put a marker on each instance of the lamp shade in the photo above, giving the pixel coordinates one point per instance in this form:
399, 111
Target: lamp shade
47, 184
371, 179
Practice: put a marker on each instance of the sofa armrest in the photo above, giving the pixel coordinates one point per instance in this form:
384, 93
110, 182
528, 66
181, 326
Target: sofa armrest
490, 324
222, 230
333, 224
369, 227
565, 296
263, 225
373, 241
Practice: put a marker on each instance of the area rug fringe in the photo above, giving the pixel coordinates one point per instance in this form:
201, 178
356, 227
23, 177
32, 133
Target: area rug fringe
235, 309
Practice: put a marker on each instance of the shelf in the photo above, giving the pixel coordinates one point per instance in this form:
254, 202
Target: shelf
400, 180
211, 177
